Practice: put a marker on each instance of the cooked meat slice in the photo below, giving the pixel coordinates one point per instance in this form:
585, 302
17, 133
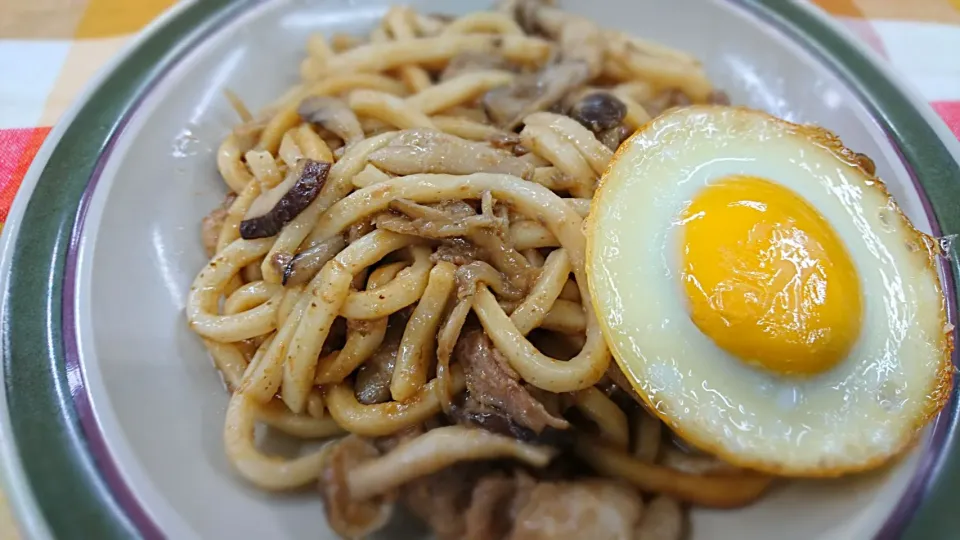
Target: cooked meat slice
488, 517
662, 520
210, 230
348, 517
431, 151
594, 509
496, 421
441, 499
492, 383
212, 224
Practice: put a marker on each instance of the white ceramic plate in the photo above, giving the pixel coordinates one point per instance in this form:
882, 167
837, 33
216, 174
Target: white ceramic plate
111, 411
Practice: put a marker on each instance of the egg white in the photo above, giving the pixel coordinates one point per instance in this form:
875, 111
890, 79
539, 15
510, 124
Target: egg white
851, 417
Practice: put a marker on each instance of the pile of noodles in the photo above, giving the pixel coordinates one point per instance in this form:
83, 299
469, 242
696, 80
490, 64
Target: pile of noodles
434, 176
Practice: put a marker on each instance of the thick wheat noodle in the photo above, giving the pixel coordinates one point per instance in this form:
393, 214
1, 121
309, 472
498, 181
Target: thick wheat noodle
319, 48
652, 48
435, 450
230, 164
484, 22
229, 361
598, 156
230, 231
249, 296
565, 317
446, 341
397, 22
530, 235
209, 286
360, 345
635, 90
534, 257
383, 419
581, 371
528, 198
710, 491
378, 57
276, 415
369, 176
266, 472
531, 312
315, 405
324, 298
290, 152
550, 177
580, 206
390, 109
603, 412
466, 128
636, 115
286, 118
563, 155
312, 145
336, 187
401, 292
458, 91
238, 106
345, 82
264, 168
291, 295
419, 339
263, 379
667, 73
647, 433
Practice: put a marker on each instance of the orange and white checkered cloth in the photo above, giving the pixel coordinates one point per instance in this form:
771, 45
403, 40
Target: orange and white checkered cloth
49, 49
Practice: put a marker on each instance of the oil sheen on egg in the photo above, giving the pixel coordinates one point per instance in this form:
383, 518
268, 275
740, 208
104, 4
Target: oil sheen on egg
765, 295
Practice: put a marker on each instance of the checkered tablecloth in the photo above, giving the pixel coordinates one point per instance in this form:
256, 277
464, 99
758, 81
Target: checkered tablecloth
49, 49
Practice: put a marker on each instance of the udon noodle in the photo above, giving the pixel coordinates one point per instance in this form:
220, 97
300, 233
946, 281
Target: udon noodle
399, 266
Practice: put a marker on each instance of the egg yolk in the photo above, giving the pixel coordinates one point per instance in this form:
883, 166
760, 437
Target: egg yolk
767, 278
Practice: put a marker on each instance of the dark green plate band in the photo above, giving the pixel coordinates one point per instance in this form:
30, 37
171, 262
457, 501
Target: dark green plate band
64, 475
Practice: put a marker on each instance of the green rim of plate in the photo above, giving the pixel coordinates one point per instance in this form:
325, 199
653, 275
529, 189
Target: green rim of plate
63, 474
67, 482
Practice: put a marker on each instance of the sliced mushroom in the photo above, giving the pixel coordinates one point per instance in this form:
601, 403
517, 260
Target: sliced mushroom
431, 151
470, 275
580, 39
301, 268
614, 137
333, 115
444, 221
508, 105
278, 206
598, 111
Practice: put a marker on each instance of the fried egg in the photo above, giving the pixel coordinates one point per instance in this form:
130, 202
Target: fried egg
765, 295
